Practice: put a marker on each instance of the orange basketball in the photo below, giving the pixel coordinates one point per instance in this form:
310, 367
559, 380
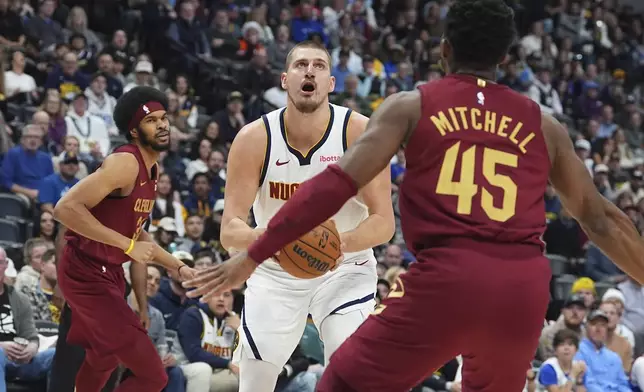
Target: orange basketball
314, 254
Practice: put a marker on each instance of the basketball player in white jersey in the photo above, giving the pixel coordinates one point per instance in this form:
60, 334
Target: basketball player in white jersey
267, 161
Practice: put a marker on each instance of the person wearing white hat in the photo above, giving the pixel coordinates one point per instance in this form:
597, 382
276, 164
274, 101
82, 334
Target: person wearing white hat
616, 297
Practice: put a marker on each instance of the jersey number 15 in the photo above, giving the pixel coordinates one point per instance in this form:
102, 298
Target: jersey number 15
465, 189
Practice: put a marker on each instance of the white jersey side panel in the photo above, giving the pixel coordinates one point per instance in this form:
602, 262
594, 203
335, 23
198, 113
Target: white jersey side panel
285, 168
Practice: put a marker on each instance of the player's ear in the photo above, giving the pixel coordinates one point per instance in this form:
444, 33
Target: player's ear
283, 80
332, 84
133, 133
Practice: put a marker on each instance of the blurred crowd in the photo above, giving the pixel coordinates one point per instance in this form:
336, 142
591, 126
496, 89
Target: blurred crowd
63, 66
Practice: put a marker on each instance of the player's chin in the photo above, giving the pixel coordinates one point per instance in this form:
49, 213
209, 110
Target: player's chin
161, 146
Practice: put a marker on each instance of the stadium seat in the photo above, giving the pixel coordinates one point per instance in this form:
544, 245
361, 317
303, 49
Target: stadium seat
46, 328
23, 386
601, 288
558, 264
12, 205
563, 285
9, 231
14, 252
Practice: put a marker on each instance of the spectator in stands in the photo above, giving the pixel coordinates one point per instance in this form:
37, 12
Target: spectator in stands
616, 297
278, 50
24, 167
206, 258
71, 146
53, 106
188, 31
11, 28
118, 48
19, 359
217, 173
43, 27
54, 186
614, 342
19, 86
561, 370
77, 24
166, 204
307, 23
100, 103
586, 288
393, 256
370, 81
171, 299
45, 303
231, 120
223, 35
200, 200
543, 93
33, 252
143, 75
600, 268
67, 79
341, 71
604, 367
193, 235
572, 318
633, 306
45, 228
105, 65
207, 334
91, 131
200, 162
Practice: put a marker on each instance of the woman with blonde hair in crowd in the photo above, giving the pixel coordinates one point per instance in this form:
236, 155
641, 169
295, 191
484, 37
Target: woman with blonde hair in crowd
55, 108
77, 24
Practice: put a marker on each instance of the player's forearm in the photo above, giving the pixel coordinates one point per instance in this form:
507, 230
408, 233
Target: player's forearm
60, 241
373, 231
237, 235
165, 259
138, 278
616, 236
76, 217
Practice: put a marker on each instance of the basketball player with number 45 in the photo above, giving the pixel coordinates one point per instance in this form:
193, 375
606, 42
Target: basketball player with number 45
268, 159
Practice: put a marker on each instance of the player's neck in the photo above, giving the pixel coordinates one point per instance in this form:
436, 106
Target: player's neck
305, 129
489, 75
150, 156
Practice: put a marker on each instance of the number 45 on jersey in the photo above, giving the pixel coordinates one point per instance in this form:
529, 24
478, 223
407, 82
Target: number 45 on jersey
465, 189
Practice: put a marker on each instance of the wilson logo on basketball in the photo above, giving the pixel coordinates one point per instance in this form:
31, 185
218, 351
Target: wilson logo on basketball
332, 158
313, 262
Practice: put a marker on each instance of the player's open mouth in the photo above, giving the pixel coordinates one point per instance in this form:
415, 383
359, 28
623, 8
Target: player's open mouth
163, 136
308, 88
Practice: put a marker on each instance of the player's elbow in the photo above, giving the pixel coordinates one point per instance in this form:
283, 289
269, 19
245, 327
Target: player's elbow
388, 229
62, 210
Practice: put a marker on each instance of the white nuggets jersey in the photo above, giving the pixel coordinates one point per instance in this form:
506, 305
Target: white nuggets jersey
285, 168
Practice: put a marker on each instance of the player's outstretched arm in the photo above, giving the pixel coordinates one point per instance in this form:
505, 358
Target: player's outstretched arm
243, 172
163, 258
380, 226
118, 171
608, 227
321, 197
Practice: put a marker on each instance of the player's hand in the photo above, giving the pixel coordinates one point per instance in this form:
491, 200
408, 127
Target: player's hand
186, 273
233, 368
233, 320
212, 281
11, 349
169, 361
142, 252
144, 316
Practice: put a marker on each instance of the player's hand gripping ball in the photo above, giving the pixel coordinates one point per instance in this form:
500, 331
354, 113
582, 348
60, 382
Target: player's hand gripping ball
314, 254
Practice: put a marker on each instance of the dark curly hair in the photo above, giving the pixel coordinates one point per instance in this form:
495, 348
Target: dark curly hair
130, 102
480, 32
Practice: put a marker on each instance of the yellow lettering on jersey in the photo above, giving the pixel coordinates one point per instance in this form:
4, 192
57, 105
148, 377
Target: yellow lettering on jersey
144, 206
442, 123
456, 119
281, 190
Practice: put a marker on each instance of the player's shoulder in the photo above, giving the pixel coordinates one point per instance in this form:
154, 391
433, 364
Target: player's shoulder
120, 161
252, 132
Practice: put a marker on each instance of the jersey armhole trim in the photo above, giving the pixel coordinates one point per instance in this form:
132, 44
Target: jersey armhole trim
345, 126
267, 152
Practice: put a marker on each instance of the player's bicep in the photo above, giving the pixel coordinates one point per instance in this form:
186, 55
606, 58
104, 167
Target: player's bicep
117, 171
569, 176
387, 129
244, 171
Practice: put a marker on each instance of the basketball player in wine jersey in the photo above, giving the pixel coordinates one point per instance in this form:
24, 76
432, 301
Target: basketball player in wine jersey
268, 159
479, 156
105, 215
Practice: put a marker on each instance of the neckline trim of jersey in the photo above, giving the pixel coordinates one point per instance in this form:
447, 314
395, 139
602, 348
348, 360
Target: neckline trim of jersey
306, 159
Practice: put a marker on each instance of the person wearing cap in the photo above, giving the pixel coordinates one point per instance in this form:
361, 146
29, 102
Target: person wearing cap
54, 186
614, 342
165, 233
616, 297
583, 149
231, 119
91, 131
561, 370
604, 371
143, 75
572, 317
171, 298
586, 288
602, 182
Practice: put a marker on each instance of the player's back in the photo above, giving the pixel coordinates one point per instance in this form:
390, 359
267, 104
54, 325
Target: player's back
125, 214
477, 167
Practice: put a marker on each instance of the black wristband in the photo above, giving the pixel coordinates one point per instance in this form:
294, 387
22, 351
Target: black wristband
179, 269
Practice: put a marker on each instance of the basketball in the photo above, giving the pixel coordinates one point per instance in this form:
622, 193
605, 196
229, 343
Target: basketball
314, 254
